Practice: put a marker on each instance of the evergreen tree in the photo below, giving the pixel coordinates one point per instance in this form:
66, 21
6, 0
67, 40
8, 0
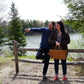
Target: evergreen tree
46, 23
2, 36
15, 30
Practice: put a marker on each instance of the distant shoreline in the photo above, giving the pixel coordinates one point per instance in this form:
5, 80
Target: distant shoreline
34, 33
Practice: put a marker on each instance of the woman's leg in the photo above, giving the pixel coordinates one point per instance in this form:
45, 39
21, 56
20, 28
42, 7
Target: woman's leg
56, 65
64, 67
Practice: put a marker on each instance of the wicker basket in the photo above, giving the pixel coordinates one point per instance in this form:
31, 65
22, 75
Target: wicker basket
58, 54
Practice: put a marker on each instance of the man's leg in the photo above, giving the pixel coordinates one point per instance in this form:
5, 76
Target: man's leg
46, 63
40, 54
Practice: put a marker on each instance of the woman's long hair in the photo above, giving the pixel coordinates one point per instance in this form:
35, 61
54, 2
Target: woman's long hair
61, 26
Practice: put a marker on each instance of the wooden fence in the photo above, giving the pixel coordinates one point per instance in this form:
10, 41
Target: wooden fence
37, 61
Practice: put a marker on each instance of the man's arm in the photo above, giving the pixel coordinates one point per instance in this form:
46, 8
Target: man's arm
39, 30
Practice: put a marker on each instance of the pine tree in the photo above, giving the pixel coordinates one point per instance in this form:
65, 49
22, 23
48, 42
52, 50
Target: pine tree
15, 30
2, 36
46, 23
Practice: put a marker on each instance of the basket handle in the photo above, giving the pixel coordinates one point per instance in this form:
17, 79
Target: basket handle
58, 46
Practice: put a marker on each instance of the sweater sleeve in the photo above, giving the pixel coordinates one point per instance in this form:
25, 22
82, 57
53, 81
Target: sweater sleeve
67, 41
39, 30
51, 39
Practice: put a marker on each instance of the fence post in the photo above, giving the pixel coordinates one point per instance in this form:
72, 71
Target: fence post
16, 57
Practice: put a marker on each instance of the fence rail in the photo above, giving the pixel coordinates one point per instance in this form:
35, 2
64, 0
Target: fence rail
15, 49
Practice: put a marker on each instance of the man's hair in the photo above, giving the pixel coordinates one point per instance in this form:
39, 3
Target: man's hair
53, 23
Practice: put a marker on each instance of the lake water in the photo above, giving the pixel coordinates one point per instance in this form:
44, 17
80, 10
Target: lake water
33, 41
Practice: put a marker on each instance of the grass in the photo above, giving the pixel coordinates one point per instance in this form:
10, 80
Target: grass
5, 59
8, 59
0, 83
26, 57
34, 57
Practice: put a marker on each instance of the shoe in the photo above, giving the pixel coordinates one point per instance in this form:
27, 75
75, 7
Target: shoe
64, 78
44, 76
56, 78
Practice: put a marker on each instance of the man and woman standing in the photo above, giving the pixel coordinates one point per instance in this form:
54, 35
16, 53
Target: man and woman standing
52, 36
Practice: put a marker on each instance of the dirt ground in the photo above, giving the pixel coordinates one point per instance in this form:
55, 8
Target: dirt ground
32, 74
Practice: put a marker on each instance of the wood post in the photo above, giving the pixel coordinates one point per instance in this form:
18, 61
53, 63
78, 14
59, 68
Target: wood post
16, 57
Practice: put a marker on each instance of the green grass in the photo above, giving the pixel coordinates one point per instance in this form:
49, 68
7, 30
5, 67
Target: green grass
26, 57
0, 83
34, 57
5, 59
9, 59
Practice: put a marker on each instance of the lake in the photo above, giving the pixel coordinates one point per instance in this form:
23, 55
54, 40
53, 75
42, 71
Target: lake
33, 41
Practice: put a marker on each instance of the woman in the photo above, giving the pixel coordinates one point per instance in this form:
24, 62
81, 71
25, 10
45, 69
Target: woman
60, 37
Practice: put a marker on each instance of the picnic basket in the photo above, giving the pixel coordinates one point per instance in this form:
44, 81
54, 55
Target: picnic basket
58, 54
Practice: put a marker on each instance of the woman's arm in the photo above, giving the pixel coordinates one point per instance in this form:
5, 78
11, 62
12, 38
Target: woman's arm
51, 39
67, 41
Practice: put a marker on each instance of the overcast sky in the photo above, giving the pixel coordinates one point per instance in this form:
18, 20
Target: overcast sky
42, 10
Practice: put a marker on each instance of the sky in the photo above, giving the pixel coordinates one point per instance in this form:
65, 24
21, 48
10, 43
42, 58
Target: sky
52, 10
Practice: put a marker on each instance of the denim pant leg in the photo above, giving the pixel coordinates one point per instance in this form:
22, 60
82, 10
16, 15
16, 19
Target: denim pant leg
46, 64
56, 65
64, 66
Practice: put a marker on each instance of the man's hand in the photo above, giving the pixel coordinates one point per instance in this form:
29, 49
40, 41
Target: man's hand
27, 30
57, 43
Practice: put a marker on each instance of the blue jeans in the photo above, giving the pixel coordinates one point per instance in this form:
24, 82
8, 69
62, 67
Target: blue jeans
56, 66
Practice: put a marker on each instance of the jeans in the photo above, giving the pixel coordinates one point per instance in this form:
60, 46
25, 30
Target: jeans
56, 66
43, 54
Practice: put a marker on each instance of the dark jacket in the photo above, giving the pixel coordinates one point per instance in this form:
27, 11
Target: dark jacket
65, 39
45, 36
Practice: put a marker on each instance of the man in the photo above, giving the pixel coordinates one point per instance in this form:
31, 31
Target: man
44, 45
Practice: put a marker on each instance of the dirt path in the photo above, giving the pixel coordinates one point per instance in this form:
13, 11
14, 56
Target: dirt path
32, 74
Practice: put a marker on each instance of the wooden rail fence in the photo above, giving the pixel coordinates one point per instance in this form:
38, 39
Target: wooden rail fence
15, 49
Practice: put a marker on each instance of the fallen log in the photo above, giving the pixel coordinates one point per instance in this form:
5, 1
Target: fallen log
51, 62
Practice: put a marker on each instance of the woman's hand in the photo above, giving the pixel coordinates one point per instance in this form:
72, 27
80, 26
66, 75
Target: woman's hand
27, 30
57, 43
